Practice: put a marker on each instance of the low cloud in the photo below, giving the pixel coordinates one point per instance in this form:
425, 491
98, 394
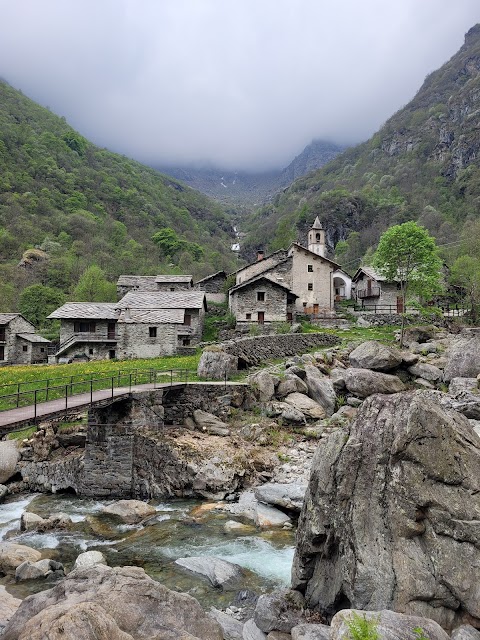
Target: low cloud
241, 85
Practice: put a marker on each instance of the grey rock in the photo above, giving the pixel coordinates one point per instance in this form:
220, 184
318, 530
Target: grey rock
376, 356
278, 635
426, 371
264, 384
9, 457
364, 383
220, 573
466, 395
288, 496
210, 423
216, 365
266, 516
296, 370
30, 521
252, 632
232, 629
290, 384
419, 334
408, 469
8, 606
354, 402
409, 359
465, 632
390, 625
3, 492
463, 359
35, 570
279, 611
296, 328
311, 632
12, 555
320, 389
424, 384
337, 377
306, 405
103, 603
89, 559
130, 511
424, 348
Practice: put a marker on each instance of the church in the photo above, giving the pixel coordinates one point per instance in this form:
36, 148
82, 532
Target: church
280, 286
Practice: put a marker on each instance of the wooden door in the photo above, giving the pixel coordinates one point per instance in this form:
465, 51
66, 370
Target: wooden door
315, 310
289, 317
369, 287
261, 317
111, 330
399, 304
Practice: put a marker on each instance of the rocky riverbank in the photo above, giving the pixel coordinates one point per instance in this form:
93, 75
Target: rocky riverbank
384, 446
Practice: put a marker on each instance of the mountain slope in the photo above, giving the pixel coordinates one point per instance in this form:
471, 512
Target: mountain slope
423, 164
79, 205
241, 187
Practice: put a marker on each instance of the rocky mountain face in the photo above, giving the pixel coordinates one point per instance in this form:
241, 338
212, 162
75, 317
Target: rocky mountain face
241, 187
421, 165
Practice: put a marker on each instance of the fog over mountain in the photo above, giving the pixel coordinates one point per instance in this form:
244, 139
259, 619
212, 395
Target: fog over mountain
242, 86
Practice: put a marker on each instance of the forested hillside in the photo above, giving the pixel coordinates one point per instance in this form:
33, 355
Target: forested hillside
422, 165
66, 204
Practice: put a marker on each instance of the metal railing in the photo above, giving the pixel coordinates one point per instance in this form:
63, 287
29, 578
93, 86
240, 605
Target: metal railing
50, 389
86, 336
373, 292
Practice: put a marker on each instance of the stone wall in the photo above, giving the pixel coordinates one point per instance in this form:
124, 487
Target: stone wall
216, 398
257, 349
320, 278
245, 301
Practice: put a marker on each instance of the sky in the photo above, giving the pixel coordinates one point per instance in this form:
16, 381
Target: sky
242, 85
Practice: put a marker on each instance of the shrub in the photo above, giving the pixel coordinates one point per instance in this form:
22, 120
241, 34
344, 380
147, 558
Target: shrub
361, 628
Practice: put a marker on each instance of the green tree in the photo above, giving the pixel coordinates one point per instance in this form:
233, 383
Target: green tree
38, 301
168, 241
465, 272
408, 254
94, 287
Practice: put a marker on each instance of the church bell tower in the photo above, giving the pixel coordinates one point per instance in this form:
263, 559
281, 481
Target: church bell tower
316, 238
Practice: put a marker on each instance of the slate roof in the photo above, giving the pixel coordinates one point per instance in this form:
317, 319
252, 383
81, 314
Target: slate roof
135, 281
299, 246
152, 316
370, 273
214, 275
87, 311
163, 300
317, 224
175, 279
5, 318
32, 337
262, 276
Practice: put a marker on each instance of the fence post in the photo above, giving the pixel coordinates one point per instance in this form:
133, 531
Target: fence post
35, 409
113, 378
18, 394
130, 384
171, 377
66, 397
46, 395
91, 392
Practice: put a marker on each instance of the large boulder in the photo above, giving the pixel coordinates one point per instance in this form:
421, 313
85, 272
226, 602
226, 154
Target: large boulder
279, 611
130, 511
309, 631
264, 385
463, 359
9, 457
89, 559
376, 356
320, 389
290, 384
209, 423
364, 383
465, 632
216, 365
390, 518
287, 496
103, 603
306, 405
35, 570
220, 573
232, 628
388, 624
12, 555
426, 371
466, 396
8, 606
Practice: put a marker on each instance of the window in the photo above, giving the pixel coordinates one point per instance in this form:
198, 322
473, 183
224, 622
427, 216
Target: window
152, 332
310, 286
2, 334
261, 296
317, 236
310, 268
111, 354
248, 316
84, 327
90, 352
304, 304
24, 348
186, 342
187, 320
172, 288
42, 350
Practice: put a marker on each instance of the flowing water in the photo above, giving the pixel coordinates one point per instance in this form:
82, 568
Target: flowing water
171, 534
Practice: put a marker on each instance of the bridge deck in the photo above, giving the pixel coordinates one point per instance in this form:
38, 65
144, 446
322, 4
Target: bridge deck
15, 418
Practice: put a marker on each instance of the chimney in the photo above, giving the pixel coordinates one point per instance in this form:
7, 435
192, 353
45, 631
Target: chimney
127, 314
260, 255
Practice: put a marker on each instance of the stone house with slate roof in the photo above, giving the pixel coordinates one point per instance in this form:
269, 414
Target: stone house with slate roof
153, 283
140, 325
375, 293
305, 274
19, 344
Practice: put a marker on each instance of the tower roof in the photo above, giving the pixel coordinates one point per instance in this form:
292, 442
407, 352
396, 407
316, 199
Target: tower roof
317, 224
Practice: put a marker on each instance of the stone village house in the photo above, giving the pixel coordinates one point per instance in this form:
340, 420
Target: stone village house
375, 293
19, 344
299, 280
141, 325
153, 283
